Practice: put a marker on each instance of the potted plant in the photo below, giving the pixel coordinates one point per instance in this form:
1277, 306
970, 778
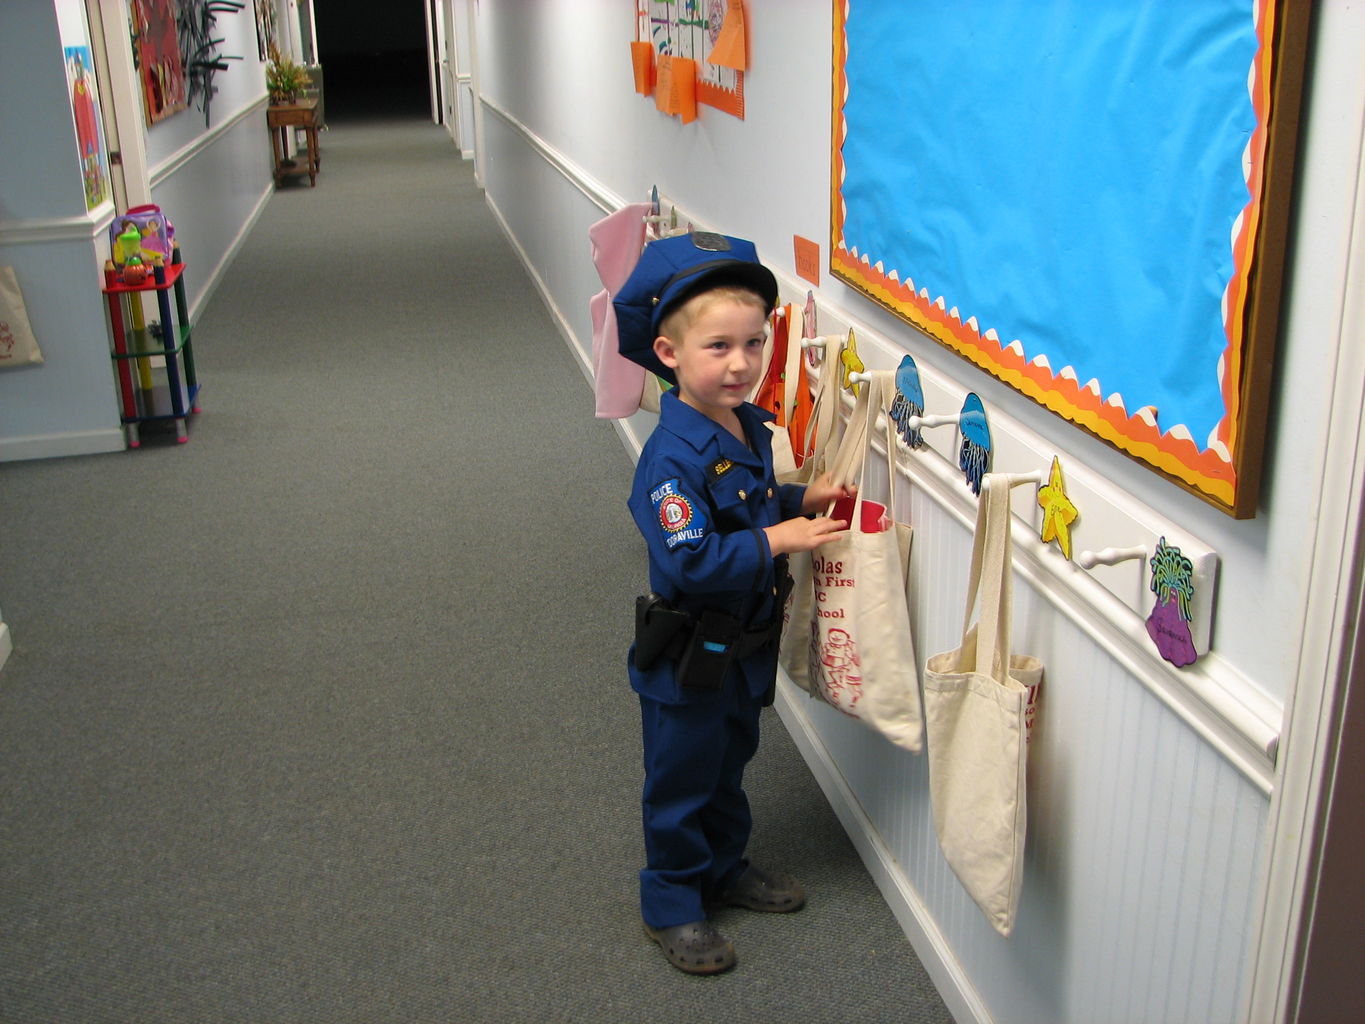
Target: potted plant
285, 78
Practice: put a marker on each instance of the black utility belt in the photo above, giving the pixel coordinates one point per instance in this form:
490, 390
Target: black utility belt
704, 646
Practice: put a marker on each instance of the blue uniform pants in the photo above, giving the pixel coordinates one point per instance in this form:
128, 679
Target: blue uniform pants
696, 816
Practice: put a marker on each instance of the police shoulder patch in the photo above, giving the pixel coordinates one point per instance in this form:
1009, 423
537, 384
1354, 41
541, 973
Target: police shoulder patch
681, 519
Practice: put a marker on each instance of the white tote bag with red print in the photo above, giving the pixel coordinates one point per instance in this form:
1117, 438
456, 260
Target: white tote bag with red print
862, 656
18, 346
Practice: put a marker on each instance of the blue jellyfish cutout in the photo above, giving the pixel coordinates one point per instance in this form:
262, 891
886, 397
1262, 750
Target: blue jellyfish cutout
909, 401
975, 455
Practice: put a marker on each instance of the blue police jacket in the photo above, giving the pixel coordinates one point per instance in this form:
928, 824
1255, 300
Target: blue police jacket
701, 499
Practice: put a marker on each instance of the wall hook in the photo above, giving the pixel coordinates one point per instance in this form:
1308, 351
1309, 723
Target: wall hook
1109, 556
932, 420
819, 341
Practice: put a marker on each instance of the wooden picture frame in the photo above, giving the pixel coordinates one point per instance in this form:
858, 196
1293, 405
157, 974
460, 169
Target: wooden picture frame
1092, 209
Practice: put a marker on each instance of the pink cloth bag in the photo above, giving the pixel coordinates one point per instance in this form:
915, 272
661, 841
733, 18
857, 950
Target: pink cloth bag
617, 241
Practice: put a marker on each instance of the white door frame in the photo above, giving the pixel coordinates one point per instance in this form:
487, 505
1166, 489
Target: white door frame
121, 99
1313, 739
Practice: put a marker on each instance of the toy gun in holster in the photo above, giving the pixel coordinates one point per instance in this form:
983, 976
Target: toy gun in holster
705, 645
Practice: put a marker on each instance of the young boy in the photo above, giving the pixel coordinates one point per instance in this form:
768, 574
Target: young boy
718, 528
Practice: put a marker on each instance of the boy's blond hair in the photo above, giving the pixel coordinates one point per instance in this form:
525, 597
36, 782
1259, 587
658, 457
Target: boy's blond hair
682, 316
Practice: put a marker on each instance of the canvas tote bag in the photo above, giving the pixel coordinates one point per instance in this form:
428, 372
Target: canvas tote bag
18, 346
794, 649
976, 717
862, 656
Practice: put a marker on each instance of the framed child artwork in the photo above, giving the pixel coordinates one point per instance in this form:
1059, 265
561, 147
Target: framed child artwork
156, 48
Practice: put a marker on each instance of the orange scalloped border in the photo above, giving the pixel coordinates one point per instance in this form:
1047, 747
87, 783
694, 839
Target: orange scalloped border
1203, 470
722, 99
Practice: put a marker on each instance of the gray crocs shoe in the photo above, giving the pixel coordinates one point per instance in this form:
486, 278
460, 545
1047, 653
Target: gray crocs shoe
755, 889
695, 947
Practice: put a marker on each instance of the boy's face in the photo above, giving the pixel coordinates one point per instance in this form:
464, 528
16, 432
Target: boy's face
718, 358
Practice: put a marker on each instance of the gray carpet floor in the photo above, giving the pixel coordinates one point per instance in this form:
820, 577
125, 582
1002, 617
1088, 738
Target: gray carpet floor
323, 716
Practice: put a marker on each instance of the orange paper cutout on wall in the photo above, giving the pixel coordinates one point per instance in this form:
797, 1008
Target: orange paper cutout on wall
642, 57
807, 255
682, 89
663, 83
731, 46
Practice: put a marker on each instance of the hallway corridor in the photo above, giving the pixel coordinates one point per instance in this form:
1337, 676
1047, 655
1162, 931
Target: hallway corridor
323, 716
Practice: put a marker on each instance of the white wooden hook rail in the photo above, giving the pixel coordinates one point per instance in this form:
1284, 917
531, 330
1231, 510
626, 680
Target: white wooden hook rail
1110, 601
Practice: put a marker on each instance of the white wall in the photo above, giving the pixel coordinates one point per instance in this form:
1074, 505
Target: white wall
1151, 790
68, 404
213, 182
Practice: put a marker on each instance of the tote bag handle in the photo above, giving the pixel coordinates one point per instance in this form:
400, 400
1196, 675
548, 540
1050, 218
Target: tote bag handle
820, 429
991, 579
791, 369
851, 459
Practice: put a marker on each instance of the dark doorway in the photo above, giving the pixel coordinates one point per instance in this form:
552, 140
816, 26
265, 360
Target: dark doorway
374, 57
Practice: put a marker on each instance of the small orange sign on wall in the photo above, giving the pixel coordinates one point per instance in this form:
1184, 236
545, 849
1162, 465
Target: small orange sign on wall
807, 259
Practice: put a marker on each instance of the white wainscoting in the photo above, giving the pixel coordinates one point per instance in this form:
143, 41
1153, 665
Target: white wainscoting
1148, 789
214, 189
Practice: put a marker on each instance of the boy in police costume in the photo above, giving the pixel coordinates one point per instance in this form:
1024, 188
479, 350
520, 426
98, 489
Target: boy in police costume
718, 528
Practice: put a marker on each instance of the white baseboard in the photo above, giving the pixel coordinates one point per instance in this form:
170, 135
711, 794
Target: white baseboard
933, 950
53, 446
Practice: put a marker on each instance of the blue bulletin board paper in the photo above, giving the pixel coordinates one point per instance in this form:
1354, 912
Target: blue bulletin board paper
1044, 194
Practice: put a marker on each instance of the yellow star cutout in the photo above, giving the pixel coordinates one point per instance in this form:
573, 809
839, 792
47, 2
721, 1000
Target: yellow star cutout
852, 364
1058, 512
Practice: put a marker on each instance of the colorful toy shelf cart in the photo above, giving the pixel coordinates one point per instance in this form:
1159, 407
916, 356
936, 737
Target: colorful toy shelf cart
154, 362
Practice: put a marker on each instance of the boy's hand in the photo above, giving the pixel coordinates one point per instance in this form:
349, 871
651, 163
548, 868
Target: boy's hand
821, 491
802, 534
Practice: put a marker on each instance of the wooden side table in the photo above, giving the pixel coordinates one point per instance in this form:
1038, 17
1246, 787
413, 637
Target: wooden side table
283, 116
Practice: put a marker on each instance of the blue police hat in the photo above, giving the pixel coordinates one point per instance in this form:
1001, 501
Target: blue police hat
673, 269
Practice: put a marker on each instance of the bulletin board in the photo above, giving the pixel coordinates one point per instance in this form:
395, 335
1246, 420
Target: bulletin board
1089, 201
689, 28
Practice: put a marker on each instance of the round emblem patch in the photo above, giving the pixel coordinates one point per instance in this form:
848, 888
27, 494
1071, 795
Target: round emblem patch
675, 513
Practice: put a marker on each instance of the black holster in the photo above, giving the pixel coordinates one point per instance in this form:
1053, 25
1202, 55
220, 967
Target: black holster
705, 645
659, 628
